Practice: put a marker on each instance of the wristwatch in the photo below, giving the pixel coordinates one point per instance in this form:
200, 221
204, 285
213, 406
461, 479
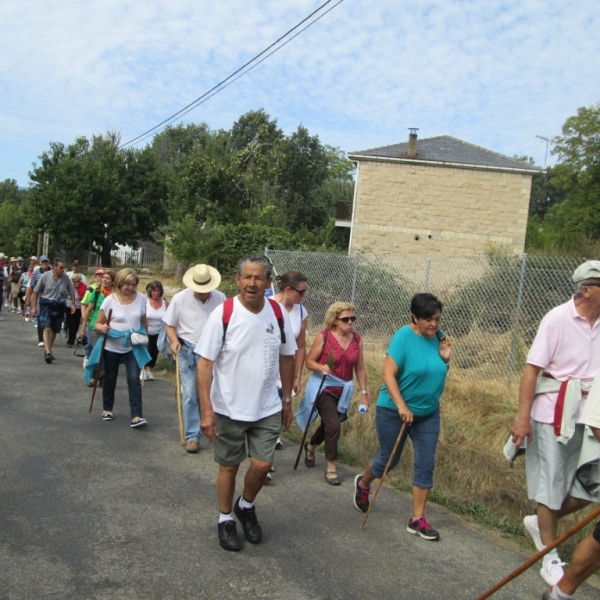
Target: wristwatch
286, 400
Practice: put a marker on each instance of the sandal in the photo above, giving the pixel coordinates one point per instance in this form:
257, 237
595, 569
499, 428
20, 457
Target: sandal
309, 462
332, 480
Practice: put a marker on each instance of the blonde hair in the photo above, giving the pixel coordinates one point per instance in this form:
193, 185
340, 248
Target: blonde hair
125, 275
334, 311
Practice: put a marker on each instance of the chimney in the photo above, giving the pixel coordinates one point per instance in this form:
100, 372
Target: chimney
412, 141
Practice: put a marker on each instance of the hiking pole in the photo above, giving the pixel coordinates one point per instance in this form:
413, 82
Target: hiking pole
565, 536
99, 367
387, 468
178, 398
312, 411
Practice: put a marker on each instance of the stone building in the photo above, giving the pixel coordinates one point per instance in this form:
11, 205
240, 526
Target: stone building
438, 196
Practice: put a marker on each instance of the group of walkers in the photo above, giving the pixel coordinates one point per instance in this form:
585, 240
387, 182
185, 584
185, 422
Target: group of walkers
241, 359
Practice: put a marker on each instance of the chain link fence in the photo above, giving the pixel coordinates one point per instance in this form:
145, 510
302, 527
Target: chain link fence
492, 304
146, 257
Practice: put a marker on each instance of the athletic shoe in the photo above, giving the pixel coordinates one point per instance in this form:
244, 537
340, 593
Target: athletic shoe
85, 361
361, 496
192, 446
26, 319
552, 570
422, 528
250, 525
142, 376
279, 444
107, 416
530, 522
551, 594
228, 537
40, 344
149, 376
139, 423
268, 478
48, 357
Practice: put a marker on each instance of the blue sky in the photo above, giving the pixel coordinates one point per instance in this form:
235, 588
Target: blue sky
495, 74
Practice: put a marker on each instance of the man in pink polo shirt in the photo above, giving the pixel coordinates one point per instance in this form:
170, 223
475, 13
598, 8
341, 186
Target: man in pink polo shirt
566, 352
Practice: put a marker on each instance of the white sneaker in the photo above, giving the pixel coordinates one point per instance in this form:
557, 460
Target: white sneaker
552, 570
85, 361
530, 522
149, 376
41, 345
26, 319
142, 375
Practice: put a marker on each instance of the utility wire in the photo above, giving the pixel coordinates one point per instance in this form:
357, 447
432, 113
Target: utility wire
236, 74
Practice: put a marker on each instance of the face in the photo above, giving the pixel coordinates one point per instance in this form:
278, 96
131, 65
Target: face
76, 282
297, 293
99, 278
128, 287
106, 281
252, 284
202, 296
344, 322
59, 269
75, 268
428, 327
155, 294
45, 264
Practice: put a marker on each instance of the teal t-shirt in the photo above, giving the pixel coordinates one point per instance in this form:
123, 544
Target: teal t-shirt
421, 372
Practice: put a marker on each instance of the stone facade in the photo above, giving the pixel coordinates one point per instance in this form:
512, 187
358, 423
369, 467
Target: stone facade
451, 210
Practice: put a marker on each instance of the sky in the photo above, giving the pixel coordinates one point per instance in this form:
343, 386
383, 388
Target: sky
496, 73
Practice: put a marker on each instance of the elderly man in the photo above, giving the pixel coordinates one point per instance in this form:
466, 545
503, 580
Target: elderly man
52, 288
246, 345
184, 321
566, 351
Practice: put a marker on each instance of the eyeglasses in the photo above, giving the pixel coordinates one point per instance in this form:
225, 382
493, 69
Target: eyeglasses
301, 292
347, 319
591, 284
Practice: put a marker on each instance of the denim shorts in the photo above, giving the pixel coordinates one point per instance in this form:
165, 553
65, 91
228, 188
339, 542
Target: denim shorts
424, 433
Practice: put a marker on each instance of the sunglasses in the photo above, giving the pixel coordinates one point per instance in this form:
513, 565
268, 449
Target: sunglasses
347, 319
301, 292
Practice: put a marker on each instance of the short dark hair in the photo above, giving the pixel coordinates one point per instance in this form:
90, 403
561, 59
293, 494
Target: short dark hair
424, 306
155, 285
259, 259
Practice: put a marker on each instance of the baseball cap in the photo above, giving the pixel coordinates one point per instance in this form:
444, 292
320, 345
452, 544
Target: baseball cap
99, 272
43, 258
590, 269
19, 258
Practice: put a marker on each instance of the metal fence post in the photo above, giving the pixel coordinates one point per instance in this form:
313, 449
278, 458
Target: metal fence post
427, 270
513, 349
354, 277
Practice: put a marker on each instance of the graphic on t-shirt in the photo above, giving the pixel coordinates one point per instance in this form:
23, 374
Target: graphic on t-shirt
271, 358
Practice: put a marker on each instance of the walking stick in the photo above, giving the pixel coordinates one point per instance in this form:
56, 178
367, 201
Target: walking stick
99, 367
565, 536
312, 411
178, 398
387, 468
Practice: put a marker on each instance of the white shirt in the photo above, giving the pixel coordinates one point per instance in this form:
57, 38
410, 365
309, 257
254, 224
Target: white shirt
155, 317
188, 315
246, 365
119, 322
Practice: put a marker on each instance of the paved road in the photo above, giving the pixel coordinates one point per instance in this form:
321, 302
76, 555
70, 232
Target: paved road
95, 510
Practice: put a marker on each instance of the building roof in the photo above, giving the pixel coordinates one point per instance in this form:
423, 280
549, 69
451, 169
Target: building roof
447, 150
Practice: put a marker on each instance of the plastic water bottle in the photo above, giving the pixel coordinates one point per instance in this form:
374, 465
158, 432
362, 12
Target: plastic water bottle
363, 408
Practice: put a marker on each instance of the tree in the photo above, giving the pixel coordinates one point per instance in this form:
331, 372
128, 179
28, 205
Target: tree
17, 236
91, 193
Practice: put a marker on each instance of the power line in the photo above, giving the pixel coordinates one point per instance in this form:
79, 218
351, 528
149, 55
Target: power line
237, 73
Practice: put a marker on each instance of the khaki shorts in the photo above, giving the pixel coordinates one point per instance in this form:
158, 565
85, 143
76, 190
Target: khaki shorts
238, 439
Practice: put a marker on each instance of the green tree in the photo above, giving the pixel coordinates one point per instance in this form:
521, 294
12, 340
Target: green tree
91, 193
17, 236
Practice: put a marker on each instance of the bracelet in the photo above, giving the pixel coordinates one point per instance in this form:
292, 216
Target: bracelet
364, 392
286, 400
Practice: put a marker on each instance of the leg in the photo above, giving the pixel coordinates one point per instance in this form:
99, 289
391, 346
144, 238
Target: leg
330, 421
419, 501
585, 562
189, 396
133, 384
111, 370
226, 487
255, 478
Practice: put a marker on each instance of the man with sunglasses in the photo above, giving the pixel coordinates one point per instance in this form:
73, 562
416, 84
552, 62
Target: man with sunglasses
566, 353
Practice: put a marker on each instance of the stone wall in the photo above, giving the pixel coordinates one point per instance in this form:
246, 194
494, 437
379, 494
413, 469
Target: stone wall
453, 211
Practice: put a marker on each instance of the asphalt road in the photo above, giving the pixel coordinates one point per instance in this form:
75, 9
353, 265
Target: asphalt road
96, 510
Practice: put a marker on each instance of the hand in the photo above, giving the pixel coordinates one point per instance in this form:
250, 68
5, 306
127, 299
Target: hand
296, 385
73, 309
325, 370
445, 350
287, 416
208, 426
175, 347
405, 414
520, 430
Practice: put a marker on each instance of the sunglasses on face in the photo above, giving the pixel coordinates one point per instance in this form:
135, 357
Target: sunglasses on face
301, 292
347, 319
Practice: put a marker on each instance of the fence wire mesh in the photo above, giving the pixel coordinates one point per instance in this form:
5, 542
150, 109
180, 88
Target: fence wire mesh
492, 304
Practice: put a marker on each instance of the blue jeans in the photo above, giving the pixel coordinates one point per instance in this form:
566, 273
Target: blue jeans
112, 360
424, 433
189, 393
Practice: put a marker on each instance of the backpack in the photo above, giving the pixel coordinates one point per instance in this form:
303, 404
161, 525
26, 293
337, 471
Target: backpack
228, 311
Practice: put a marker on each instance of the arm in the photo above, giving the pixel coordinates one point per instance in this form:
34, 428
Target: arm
521, 428
286, 371
171, 334
203, 383
101, 324
313, 355
33, 305
361, 375
390, 372
300, 356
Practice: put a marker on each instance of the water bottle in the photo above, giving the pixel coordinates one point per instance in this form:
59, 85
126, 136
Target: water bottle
363, 408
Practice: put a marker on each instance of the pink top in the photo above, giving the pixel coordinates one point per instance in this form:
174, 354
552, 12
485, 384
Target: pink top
344, 361
566, 347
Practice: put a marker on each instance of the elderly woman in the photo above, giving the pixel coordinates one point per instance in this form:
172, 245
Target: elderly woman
128, 316
337, 354
155, 311
414, 374
73, 319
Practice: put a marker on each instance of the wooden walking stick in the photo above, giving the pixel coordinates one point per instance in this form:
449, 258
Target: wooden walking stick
312, 411
387, 468
178, 398
99, 367
565, 536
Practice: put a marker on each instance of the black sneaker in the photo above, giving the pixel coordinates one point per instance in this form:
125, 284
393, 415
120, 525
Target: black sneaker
250, 524
422, 528
228, 537
361, 496
48, 357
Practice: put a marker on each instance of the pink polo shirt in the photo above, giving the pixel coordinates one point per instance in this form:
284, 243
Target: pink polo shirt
565, 347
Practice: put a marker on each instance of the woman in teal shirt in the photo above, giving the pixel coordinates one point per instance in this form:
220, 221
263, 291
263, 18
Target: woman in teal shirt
414, 374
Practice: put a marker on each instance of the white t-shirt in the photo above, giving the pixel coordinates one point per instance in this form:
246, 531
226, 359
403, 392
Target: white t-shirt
135, 311
246, 365
297, 315
155, 316
188, 315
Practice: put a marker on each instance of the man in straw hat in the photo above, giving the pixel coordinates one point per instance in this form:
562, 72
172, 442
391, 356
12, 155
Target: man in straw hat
566, 352
184, 321
246, 344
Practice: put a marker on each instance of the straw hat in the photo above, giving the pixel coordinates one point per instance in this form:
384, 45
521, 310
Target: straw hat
202, 279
